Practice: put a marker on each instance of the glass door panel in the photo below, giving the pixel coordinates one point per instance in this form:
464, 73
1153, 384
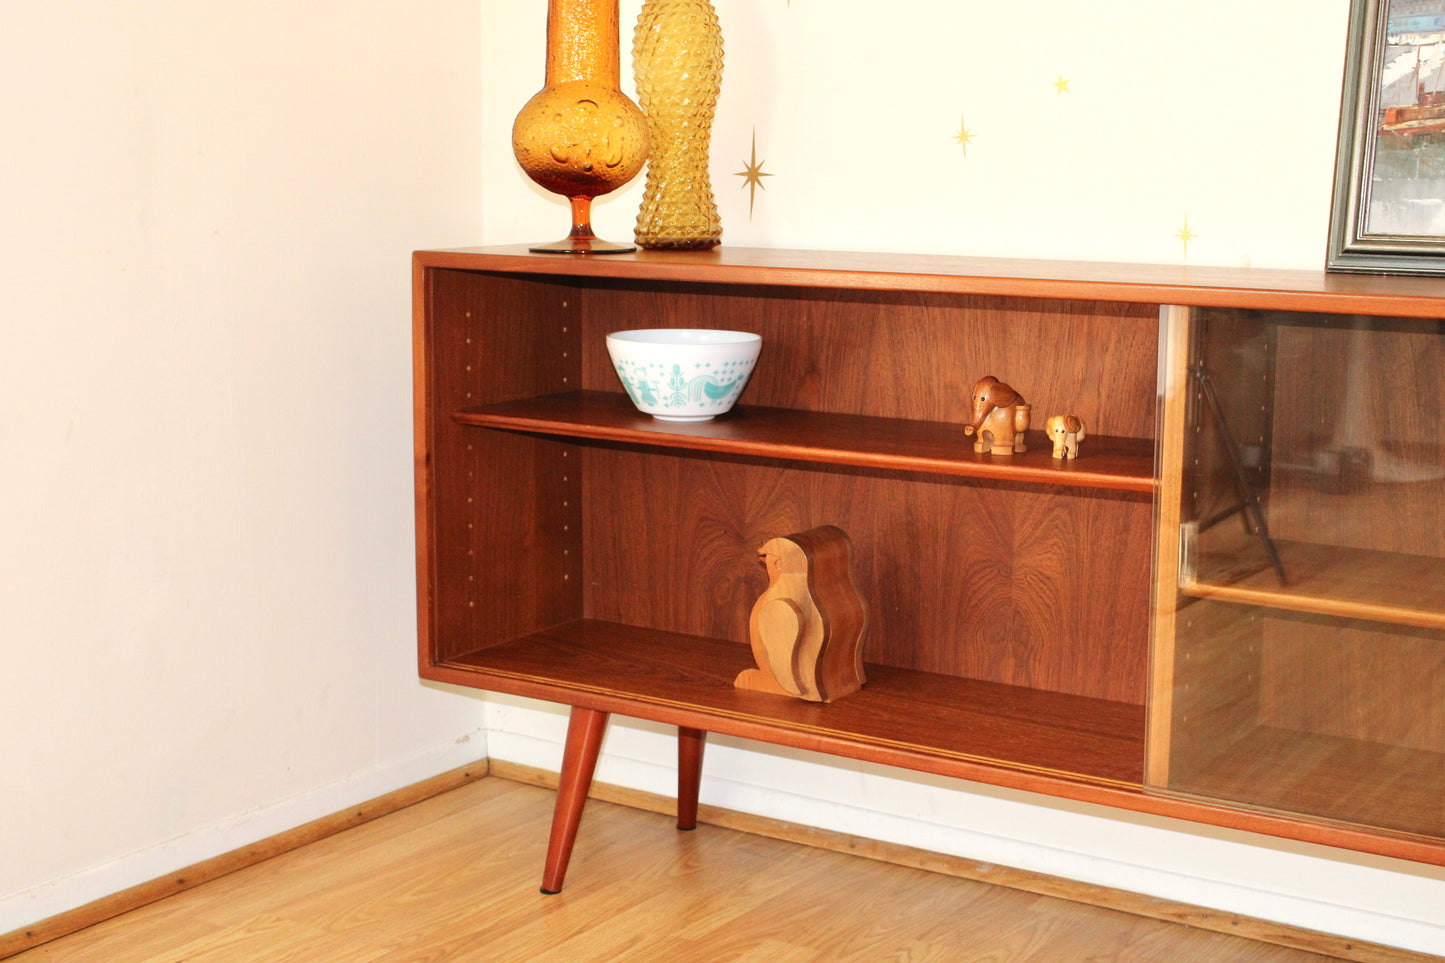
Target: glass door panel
1300, 639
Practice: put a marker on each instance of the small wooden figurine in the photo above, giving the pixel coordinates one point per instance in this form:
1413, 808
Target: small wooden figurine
1065, 431
807, 627
1000, 417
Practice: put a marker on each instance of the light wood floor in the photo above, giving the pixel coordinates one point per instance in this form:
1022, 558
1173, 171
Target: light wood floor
456, 878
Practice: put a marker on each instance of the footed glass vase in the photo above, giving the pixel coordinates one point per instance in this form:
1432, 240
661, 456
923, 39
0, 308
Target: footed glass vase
677, 55
580, 136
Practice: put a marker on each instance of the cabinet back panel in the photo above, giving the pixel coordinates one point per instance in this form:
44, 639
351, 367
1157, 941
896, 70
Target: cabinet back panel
1326, 717
907, 355
1021, 585
1369, 385
1373, 683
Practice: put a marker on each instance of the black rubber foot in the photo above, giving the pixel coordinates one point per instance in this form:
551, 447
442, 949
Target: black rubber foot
550, 892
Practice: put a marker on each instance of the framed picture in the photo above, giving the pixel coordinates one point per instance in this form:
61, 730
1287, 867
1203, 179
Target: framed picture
1388, 214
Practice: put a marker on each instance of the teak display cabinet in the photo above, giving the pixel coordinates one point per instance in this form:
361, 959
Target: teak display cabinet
573, 550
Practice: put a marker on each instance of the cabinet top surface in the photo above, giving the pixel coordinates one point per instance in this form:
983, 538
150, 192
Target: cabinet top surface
1083, 280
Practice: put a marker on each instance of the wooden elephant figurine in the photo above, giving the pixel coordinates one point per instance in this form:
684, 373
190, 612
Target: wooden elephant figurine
1000, 418
1065, 431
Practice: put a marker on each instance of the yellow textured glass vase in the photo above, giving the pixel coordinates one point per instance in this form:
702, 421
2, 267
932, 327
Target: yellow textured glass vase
677, 55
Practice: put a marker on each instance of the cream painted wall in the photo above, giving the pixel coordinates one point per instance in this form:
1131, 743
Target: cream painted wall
1223, 113
206, 581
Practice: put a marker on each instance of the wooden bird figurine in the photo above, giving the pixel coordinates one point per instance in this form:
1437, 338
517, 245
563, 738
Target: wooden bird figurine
807, 627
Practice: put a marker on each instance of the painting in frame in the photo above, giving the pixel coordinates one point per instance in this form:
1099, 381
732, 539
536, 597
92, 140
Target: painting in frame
1388, 214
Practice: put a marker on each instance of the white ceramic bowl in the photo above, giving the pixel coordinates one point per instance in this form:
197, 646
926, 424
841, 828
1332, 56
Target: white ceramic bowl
683, 374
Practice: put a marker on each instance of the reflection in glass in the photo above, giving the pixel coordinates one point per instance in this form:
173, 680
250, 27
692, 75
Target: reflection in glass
1315, 686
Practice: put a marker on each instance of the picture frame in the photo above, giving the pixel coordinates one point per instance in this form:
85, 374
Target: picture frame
1388, 211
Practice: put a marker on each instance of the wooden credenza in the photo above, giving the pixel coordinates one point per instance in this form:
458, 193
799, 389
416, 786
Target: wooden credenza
1112, 629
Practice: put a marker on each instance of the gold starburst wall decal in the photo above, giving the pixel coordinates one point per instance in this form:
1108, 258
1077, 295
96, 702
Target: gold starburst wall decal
1185, 234
1061, 85
753, 175
963, 136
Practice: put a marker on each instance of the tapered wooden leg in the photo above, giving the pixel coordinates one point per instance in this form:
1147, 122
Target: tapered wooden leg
690, 744
585, 730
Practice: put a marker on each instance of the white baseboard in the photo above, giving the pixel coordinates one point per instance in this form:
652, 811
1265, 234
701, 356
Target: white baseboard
29, 906
1362, 897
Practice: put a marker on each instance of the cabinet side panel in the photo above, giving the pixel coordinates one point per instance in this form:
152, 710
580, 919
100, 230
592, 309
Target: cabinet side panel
1215, 697
502, 515
1024, 586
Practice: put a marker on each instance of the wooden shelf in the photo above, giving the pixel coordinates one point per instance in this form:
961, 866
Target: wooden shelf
899, 715
1121, 464
1348, 583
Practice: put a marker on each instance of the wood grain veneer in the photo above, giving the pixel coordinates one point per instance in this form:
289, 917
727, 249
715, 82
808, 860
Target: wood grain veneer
1040, 588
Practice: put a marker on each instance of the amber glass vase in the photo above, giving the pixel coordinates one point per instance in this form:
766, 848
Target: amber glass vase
677, 54
580, 136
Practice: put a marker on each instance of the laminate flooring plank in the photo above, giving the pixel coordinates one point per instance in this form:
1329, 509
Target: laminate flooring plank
454, 879
772, 951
